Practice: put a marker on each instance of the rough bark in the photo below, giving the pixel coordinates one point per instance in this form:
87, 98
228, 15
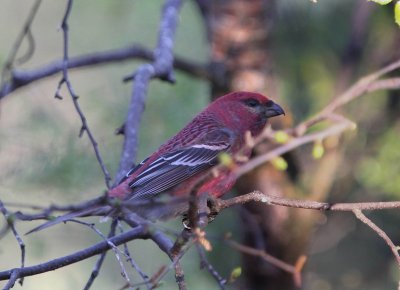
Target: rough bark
238, 32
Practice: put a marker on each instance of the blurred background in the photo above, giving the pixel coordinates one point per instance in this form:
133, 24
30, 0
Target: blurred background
300, 53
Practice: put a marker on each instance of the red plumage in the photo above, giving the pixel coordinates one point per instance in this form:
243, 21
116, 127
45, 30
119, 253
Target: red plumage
184, 159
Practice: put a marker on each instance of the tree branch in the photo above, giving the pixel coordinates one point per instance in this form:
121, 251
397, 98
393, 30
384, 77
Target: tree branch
162, 66
297, 137
10, 223
395, 249
292, 144
365, 84
204, 263
295, 269
21, 78
26, 31
140, 232
134, 265
258, 196
99, 263
74, 96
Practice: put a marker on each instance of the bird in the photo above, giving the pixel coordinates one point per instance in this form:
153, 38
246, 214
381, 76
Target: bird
186, 158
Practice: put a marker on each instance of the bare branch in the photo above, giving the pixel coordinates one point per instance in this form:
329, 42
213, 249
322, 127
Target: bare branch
384, 84
10, 223
258, 196
65, 79
26, 31
395, 249
133, 263
363, 85
162, 66
46, 212
140, 232
99, 263
204, 263
175, 256
292, 144
21, 78
295, 270
366, 84
14, 276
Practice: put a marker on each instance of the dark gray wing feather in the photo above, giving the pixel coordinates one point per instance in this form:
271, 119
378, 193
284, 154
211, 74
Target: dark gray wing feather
175, 167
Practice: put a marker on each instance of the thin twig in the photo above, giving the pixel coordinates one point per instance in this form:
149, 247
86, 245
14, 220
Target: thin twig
30, 51
10, 222
363, 85
99, 263
163, 270
269, 199
292, 144
47, 212
358, 213
384, 84
206, 264
15, 274
115, 249
74, 96
135, 266
26, 31
139, 232
295, 270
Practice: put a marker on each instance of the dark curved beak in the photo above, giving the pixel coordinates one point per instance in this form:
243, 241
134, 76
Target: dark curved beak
273, 109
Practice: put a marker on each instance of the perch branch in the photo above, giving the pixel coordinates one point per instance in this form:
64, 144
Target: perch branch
161, 66
269, 199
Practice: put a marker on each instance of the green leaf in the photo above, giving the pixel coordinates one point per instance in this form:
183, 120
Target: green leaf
226, 160
281, 137
397, 13
279, 163
381, 2
318, 150
235, 274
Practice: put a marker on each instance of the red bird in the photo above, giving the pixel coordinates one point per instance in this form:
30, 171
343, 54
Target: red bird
184, 159
188, 156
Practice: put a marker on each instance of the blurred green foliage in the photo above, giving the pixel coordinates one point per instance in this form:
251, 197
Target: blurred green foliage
381, 170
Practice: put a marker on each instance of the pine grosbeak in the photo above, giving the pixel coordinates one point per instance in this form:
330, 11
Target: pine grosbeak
186, 158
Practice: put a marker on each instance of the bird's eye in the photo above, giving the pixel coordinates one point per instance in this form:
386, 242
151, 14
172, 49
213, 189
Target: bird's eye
252, 103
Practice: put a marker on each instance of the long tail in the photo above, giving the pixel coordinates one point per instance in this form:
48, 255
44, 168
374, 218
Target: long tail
97, 210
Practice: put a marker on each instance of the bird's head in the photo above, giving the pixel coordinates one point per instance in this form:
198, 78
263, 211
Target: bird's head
247, 111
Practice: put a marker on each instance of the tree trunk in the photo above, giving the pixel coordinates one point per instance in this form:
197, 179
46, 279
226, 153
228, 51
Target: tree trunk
238, 31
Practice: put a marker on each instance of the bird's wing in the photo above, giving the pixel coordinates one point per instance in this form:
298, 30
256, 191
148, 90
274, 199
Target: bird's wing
133, 170
174, 167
